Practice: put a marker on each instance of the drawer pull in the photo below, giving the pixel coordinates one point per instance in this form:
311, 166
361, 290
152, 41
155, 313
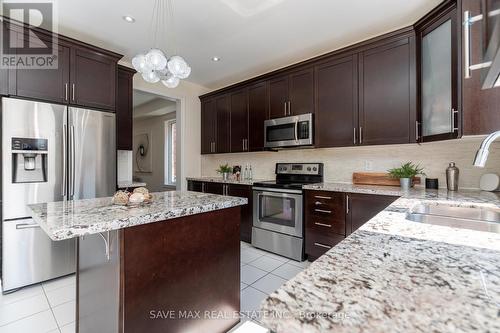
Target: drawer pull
323, 245
321, 197
323, 224
323, 211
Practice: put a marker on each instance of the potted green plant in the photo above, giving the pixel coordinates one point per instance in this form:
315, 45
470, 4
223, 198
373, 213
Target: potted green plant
405, 173
225, 170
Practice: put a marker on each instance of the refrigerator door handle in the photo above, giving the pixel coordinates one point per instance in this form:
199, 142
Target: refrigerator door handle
72, 161
64, 173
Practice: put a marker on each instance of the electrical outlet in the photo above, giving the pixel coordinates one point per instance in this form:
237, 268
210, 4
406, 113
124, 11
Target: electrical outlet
368, 166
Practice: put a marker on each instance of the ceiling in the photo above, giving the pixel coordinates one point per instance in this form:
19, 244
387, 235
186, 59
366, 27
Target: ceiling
250, 36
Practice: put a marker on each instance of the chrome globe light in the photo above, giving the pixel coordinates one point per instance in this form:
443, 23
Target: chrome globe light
154, 65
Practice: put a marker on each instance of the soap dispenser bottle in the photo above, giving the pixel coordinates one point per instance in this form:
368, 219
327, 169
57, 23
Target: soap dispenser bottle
452, 173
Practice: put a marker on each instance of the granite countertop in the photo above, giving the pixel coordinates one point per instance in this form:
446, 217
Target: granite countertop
124, 185
64, 220
394, 275
229, 181
364, 189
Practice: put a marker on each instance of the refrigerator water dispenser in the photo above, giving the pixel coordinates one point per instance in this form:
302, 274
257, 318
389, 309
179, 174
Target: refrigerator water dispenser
29, 160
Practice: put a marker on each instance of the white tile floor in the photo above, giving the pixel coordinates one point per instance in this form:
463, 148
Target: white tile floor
49, 307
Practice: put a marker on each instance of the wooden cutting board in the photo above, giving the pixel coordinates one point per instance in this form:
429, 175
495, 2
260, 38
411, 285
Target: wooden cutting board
377, 178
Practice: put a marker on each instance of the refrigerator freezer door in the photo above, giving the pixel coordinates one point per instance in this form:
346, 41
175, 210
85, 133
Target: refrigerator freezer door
31, 120
29, 256
92, 153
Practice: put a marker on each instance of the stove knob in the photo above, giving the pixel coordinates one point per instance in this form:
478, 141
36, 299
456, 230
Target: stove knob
315, 169
308, 168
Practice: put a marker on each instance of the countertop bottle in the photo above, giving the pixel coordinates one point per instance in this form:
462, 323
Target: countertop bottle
452, 173
250, 173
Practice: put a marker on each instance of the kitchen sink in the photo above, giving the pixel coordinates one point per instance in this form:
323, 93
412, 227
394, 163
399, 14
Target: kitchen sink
480, 219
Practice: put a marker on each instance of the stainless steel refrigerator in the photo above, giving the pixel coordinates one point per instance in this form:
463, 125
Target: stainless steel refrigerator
50, 153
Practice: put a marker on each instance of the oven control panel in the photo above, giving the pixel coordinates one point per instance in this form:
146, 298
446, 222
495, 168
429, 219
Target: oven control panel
299, 168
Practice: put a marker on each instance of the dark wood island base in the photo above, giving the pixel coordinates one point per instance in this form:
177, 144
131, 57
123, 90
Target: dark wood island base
179, 275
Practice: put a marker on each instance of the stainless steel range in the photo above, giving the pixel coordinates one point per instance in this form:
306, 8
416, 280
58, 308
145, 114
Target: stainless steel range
278, 221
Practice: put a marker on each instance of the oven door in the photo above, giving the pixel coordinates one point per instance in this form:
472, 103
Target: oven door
278, 210
289, 131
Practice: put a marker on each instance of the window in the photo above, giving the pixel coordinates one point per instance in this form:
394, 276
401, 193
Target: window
170, 152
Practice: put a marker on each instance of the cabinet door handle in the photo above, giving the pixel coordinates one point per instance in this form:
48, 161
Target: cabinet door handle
322, 197
323, 224
347, 204
27, 226
66, 91
416, 131
323, 211
323, 245
318, 203
360, 135
453, 113
73, 92
354, 135
284, 104
289, 108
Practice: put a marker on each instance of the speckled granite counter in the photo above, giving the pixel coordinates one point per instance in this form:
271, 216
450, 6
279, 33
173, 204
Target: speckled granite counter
364, 189
64, 220
229, 181
125, 185
393, 275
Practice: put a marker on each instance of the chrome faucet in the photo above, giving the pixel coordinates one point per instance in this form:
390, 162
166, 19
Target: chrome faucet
482, 152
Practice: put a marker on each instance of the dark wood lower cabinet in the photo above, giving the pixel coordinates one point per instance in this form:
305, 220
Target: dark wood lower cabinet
159, 275
236, 190
332, 216
362, 207
325, 221
244, 191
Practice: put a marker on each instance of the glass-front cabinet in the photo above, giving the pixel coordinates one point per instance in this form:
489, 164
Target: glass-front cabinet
439, 77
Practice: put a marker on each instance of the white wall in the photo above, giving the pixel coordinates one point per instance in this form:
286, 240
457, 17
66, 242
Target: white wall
340, 163
155, 126
188, 124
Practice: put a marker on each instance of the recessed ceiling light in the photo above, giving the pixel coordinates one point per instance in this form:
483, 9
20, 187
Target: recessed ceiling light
215, 59
129, 19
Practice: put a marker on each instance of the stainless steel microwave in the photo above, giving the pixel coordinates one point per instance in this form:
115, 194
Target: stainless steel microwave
289, 131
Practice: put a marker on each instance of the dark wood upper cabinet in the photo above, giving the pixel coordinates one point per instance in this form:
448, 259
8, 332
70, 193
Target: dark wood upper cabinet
257, 115
124, 108
362, 207
387, 89
239, 120
208, 126
278, 97
439, 86
336, 112
223, 131
480, 107
301, 92
51, 85
93, 79
292, 94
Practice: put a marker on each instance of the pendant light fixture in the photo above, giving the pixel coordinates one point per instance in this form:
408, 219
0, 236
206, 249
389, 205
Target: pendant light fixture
154, 65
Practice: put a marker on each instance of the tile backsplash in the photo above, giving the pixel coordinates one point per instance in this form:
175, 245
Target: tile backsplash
124, 166
340, 163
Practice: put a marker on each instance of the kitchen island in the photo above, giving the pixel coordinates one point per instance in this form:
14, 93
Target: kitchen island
169, 266
394, 275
